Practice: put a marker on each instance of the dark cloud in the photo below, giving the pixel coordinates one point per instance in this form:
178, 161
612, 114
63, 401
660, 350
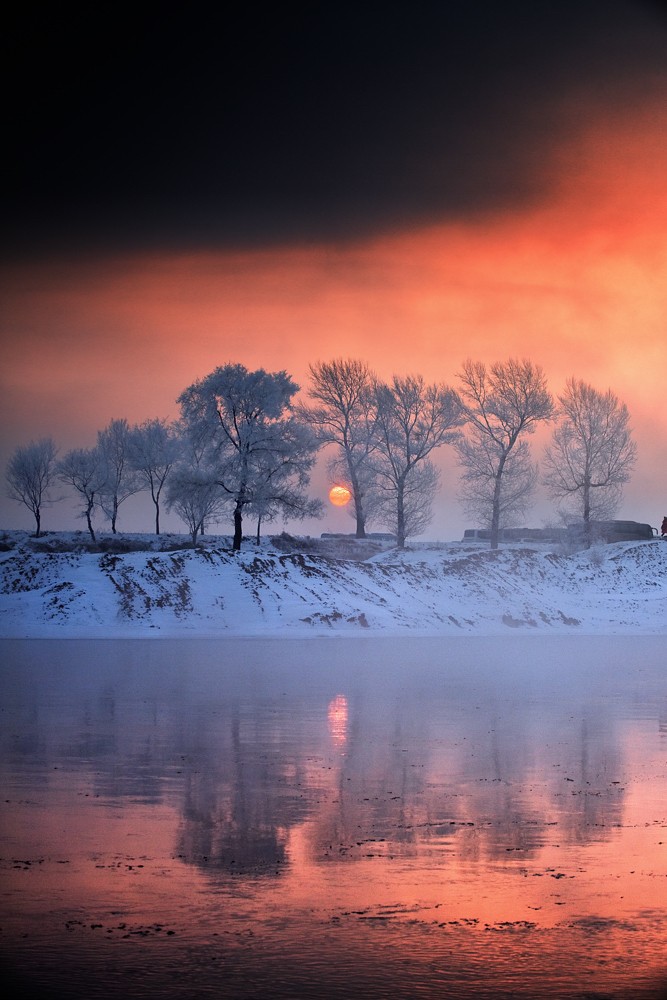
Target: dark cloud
297, 123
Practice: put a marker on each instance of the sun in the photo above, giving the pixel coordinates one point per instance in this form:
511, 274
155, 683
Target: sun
339, 496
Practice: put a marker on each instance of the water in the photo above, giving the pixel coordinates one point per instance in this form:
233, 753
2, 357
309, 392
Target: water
334, 818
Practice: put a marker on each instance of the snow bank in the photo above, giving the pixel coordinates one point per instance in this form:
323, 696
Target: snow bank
55, 588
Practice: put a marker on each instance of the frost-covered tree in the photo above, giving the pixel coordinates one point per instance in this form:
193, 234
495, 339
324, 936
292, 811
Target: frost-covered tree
282, 478
192, 491
261, 454
122, 480
413, 420
30, 474
591, 454
195, 497
84, 469
344, 415
502, 404
154, 448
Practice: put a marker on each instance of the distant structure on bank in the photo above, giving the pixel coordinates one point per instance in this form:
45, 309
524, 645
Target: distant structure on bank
373, 536
601, 531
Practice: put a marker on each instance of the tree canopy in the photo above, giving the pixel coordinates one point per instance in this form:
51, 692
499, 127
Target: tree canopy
591, 454
258, 453
501, 403
30, 474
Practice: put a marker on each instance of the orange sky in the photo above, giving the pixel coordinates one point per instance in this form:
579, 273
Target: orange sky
576, 281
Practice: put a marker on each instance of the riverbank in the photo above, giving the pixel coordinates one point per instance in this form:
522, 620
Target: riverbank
62, 586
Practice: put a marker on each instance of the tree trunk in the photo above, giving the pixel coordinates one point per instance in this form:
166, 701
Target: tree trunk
361, 520
114, 516
38, 523
358, 507
90, 523
400, 518
259, 526
495, 525
495, 510
587, 514
238, 528
157, 517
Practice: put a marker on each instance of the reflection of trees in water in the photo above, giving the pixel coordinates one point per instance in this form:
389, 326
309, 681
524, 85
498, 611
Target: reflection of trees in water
374, 786
414, 773
590, 792
245, 787
496, 761
213, 841
421, 778
563, 774
123, 749
131, 745
487, 783
406, 764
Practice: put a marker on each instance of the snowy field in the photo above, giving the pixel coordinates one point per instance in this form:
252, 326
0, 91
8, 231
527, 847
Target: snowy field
61, 586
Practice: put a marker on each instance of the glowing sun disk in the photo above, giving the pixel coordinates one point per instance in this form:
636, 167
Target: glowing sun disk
339, 496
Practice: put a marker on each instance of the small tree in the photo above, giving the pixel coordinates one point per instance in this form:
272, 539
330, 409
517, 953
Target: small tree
591, 454
345, 415
255, 446
30, 473
195, 497
85, 471
413, 420
501, 404
122, 480
153, 450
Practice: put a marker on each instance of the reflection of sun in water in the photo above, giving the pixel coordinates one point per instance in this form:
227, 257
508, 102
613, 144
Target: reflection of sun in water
337, 715
339, 496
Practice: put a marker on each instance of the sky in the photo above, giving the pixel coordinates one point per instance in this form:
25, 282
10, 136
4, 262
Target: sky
409, 184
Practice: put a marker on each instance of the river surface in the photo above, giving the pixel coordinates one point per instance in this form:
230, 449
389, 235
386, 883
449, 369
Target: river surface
335, 818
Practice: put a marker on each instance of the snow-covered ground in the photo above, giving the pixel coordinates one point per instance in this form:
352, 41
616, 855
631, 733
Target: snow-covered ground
55, 587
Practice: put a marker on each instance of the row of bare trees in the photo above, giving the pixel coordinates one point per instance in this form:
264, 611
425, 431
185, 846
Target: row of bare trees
124, 461
384, 434
242, 446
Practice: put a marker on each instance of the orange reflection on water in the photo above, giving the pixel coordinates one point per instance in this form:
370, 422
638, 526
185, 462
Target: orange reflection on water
337, 716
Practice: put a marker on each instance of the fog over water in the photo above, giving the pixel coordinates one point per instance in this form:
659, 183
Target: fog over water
411, 817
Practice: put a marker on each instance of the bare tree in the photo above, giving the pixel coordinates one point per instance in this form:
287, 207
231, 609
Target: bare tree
591, 454
413, 420
477, 489
122, 480
345, 415
260, 452
154, 448
418, 489
85, 471
368, 490
502, 404
30, 473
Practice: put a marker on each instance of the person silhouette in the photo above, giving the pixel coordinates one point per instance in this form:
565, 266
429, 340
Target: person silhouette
663, 529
